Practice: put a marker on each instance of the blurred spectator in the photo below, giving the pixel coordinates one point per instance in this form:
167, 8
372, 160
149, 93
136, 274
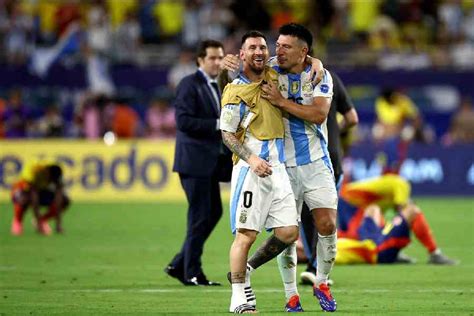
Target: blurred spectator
75, 128
169, 14
450, 14
67, 12
394, 109
16, 118
52, 123
160, 120
18, 29
362, 15
127, 40
461, 130
215, 20
462, 53
148, 24
99, 34
91, 115
119, 10
186, 65
191, 27
121, 119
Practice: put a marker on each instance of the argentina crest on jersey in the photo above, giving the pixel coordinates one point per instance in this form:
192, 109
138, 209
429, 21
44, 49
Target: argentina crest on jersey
295, 87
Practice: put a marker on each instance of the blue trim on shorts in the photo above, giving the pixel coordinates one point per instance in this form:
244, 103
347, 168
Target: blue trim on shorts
235, 199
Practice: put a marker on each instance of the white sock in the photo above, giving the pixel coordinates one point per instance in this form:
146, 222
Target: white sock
326, 255
437, 251
287, 266
238, 296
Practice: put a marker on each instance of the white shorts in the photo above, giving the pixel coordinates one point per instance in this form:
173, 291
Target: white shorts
314, 184
257, 203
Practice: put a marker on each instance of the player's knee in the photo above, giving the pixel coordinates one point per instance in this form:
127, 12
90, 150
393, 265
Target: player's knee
287, 234
325, 220
326, 225
410, 211
245, 238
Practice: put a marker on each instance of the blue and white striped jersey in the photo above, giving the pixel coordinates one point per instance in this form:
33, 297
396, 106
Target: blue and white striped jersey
304, 142
235, 117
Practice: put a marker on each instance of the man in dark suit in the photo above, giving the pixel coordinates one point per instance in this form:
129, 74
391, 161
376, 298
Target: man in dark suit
200, 159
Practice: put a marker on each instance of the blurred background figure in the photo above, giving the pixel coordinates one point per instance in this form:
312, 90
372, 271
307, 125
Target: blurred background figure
160, 120
461, 129
16, 118
18, 29
51, 124
185, 65
40, 184
395, 111
122, 119
127, 40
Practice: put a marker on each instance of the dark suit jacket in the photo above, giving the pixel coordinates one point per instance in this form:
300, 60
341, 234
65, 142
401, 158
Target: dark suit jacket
199, 150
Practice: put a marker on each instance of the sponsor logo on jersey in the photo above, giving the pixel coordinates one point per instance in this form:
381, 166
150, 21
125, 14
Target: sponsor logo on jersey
324, 88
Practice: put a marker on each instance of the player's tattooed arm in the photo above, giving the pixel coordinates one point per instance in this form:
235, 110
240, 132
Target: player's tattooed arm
231, 141
258, 165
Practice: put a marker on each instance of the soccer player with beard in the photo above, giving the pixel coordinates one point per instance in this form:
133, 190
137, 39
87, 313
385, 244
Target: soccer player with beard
252, 128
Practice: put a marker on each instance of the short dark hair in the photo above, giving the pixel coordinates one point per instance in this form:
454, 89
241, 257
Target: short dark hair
252, 34
298, 31
204, 45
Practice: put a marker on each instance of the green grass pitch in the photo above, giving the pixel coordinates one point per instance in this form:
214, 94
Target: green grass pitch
111, 258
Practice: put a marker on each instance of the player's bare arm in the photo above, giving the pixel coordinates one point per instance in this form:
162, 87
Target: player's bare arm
350, 119
317, 69
315, 112
259, 166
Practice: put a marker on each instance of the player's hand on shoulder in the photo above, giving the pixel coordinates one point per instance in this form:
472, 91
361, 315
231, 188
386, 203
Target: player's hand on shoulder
271, 93
230, 62
317, 69
259, 166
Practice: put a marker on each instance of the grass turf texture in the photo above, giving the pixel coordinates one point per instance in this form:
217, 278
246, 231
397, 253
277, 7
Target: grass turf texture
111, 260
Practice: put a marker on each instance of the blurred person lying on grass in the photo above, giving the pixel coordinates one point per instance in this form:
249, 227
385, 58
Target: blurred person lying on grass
364, 235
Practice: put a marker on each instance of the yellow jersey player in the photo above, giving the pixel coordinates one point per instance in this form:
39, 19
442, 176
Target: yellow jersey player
40, 184
364, 235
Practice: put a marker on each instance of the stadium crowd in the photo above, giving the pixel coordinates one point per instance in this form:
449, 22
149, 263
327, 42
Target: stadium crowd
383, 34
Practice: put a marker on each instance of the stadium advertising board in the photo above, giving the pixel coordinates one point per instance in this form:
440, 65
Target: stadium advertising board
127, 170
431, 169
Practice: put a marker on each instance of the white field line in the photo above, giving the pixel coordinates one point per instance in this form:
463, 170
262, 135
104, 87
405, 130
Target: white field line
264, 290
